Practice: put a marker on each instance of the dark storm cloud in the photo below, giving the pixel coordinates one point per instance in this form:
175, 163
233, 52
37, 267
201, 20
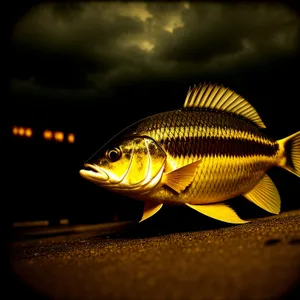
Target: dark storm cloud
60, 45
105, 45
217, 36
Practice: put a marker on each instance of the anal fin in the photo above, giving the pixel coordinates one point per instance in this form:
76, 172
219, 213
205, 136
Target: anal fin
150, 208
265, 195
181, 178
219, 211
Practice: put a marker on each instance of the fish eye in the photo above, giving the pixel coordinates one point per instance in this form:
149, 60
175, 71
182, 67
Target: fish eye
114, 154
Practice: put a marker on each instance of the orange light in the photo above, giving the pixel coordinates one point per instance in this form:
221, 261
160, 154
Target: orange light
71, 138
28, 132
21, 131
48, 134
15, 130
59, 136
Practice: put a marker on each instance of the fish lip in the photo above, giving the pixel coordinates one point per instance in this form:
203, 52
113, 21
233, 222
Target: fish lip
96, 173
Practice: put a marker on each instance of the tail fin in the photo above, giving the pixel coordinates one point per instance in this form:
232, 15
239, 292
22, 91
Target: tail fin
291, 146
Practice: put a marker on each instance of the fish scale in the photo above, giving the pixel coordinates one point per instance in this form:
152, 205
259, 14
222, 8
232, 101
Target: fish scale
170, 136
211, 180
216, 173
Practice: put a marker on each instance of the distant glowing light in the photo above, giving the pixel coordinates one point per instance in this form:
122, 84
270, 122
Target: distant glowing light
48, 134
15, 130
71, 138
59, 136
28, 132
21, 131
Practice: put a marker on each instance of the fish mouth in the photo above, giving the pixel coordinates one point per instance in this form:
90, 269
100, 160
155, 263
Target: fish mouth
93, 172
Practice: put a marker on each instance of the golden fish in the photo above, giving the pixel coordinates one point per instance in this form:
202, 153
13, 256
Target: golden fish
207, 152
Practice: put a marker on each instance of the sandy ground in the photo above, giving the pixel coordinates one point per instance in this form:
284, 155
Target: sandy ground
258, 260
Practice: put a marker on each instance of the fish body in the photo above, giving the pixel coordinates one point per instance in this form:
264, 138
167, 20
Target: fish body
211, 150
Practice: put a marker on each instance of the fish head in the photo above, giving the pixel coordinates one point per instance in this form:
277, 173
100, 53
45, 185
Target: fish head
133, 165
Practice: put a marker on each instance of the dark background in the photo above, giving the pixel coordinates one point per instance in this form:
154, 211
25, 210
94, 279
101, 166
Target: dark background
49, 88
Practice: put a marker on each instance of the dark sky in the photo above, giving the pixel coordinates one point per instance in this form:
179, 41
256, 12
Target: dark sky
85, 56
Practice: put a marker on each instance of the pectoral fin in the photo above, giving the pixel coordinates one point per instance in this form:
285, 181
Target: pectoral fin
150, 208
219, 211
181, 178
265, 195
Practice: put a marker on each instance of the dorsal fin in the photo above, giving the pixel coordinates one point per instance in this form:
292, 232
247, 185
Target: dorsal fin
218, 97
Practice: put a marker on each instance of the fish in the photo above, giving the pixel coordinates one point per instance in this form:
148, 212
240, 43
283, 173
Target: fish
210, 150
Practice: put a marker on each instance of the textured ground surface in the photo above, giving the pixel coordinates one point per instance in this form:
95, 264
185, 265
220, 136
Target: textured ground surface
258, 260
